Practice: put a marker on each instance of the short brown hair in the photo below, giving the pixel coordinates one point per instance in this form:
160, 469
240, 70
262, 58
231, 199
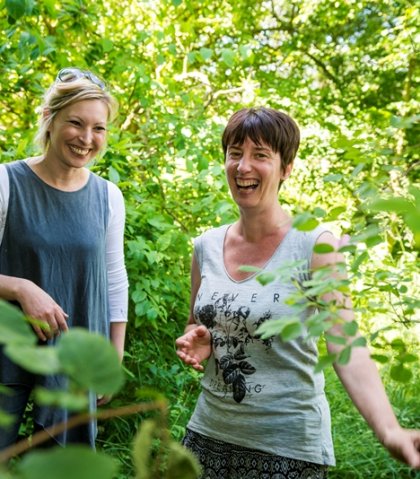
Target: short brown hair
264, 125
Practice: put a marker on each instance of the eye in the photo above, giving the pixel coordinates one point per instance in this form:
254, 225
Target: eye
235, 154
75, 122
100, 128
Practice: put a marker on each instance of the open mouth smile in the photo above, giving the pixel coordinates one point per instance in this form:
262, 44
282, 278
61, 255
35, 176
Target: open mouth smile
246, 184
79, 151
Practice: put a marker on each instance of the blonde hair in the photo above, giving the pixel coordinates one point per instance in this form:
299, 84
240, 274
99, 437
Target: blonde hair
62, 94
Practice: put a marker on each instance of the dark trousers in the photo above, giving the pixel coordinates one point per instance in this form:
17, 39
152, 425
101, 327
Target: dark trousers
14, 402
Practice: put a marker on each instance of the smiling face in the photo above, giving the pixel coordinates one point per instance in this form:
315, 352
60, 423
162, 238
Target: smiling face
78, 133
254, 173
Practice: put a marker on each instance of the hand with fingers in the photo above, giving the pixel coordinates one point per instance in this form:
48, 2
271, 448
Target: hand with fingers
194, 347
37, 304
404, 445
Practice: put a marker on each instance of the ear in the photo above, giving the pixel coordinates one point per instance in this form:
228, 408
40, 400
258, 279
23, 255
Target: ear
46, 113
287, 171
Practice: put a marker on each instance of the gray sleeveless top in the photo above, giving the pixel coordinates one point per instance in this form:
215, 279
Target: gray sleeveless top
256, 393
57, 240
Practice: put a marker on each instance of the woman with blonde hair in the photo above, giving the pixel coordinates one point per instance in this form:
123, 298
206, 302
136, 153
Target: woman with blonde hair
61, 234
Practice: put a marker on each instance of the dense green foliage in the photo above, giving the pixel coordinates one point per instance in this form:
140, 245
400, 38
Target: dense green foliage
346, 70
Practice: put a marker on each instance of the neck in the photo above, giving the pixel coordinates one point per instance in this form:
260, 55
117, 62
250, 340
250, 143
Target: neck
66, 179
254, 226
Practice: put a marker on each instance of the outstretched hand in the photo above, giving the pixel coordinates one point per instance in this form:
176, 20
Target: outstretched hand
404, 444
194, 347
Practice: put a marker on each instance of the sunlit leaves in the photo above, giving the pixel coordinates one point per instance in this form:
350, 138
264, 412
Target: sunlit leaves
19, 8
408, 209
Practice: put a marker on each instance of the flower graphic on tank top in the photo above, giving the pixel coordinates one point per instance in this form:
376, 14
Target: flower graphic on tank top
231, 336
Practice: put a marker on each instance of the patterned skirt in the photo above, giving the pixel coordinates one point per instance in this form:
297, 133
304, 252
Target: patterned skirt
222, 460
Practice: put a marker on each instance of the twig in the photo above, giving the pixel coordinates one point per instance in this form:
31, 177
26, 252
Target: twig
74, 421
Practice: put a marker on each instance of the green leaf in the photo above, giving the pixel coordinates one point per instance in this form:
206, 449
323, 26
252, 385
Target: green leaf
113, 175
63, 399
359, 342
349, 248
407, 357
91, 361
400, 373
273, 327
323, 248
73, 461
334, 213
13, 326
6, 420
350, 328
369, 232
332, 178
398, 345
404, 122
336, 339
245, 51
228, 56
249, 269
396, 204
324, 361
107, 45
36, 359
18, 8
380, 358
359, 260
305, 222
291, 331
206, 53
344, 356
319, 212
358, 169
266, 278
269, 328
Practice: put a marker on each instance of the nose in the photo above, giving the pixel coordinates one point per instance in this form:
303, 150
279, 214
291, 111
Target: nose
86, 136
244, 164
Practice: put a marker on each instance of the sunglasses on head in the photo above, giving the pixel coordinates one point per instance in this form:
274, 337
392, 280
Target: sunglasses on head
71, 74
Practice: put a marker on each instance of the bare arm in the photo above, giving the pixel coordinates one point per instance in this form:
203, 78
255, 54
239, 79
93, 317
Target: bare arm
117, 334
195, 345
36, 303
361, 379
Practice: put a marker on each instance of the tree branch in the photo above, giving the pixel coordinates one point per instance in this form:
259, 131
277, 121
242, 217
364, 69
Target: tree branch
74, 421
